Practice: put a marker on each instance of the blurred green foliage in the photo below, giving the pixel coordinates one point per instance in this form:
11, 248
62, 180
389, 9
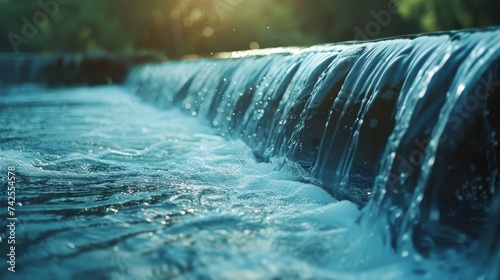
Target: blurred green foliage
433, 15
180, 27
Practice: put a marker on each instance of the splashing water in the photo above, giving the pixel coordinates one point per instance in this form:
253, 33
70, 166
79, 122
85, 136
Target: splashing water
405, 129
109, 187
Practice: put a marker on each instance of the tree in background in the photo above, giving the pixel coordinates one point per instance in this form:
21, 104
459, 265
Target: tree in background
180, 27
175, 27
200, 26
433, 15
335, 21
75, 26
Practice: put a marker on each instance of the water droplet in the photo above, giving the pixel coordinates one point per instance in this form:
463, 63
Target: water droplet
373, 123
419, 198
397, 215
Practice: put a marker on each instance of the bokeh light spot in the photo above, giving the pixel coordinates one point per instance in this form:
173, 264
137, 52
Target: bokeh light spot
208, 32
254, 45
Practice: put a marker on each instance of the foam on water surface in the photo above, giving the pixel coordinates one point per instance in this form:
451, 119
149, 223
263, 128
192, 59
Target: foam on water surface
404, 127
110, 187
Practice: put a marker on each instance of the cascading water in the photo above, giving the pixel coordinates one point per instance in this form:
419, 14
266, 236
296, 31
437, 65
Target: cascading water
406, 128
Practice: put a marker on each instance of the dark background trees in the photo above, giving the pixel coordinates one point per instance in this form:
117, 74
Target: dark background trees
180, 27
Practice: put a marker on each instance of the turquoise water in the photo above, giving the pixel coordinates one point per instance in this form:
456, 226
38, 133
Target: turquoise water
113, 187
109, 188
407, 128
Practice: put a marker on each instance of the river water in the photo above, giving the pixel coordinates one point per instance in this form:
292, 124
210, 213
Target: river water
110, 188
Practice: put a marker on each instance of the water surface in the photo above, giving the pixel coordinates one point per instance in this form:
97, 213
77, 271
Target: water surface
109, 188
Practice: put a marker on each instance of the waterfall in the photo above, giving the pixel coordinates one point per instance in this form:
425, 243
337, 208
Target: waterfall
67, 69
407, 128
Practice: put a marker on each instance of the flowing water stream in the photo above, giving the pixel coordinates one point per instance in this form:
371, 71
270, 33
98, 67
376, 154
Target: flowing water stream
374, 160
